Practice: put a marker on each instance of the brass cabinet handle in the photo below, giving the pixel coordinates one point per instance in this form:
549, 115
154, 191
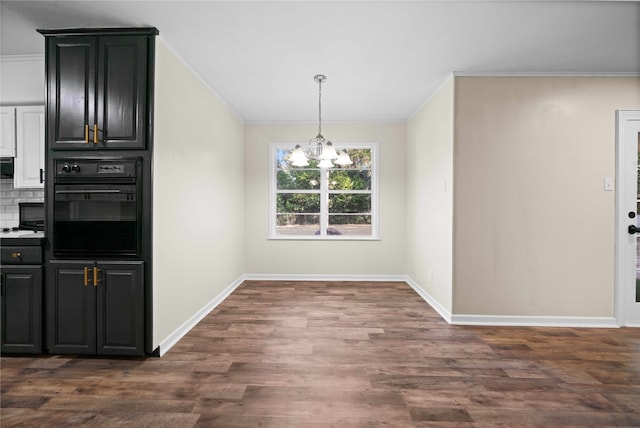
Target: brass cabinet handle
86, 134
16, 255
86, 276
96, 279
95, 133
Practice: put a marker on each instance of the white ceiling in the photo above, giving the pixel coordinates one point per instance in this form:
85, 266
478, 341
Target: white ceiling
383, 59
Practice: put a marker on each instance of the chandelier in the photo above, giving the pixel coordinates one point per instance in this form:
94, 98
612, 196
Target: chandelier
318, 147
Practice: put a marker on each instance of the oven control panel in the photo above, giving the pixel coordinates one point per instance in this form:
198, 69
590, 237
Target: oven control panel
112, 168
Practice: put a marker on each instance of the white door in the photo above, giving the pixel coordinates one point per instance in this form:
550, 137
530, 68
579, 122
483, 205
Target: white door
628, 218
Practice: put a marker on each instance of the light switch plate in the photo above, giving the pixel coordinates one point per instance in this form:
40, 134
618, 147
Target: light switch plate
608, 184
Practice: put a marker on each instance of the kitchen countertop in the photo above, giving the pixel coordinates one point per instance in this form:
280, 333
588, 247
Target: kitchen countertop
21, 237
21, 234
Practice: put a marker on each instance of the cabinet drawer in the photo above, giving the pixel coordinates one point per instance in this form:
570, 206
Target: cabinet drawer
21, 255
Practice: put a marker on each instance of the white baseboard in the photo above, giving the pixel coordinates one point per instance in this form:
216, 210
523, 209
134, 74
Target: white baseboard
181, 331
511, 320
312, 277
533, 321
441, 310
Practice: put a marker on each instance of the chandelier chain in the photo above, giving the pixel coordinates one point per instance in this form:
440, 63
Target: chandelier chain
320, 106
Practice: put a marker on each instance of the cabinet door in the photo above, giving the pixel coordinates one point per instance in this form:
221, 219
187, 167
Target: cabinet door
7, 131
71, 87
120, 308
122, 92
21, 309
29, 163
71, 307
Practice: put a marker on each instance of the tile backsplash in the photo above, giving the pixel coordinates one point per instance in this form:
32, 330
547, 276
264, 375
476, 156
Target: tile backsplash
9, 198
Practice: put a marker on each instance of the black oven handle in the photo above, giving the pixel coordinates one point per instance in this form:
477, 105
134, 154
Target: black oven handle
63, 192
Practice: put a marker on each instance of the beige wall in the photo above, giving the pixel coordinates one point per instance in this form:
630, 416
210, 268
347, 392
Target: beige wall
279, 257
534, 229
21, 79
197, 195
430, 196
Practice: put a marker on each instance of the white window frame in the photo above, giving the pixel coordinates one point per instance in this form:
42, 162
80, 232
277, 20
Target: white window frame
324, 192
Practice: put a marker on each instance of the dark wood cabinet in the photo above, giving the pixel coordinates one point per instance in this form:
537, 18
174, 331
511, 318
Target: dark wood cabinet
97, 90
120, 309
71, 310
21, 290
96, 307
99, 106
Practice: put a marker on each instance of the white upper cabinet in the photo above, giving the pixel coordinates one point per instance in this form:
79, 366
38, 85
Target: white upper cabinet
7, 131
29, 162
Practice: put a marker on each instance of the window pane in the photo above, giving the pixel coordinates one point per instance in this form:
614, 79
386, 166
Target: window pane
299, 179
298, 203
297, 224
350, 203
350, 224
350, 179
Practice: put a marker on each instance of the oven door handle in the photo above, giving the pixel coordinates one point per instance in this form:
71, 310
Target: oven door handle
67, 192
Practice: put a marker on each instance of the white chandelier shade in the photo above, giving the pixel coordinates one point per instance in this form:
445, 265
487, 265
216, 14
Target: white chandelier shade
343, 159
298, 158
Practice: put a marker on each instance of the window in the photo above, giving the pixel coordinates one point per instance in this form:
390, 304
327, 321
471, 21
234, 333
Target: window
313, 203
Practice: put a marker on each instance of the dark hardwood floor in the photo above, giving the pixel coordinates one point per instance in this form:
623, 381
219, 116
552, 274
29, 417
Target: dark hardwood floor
338, 354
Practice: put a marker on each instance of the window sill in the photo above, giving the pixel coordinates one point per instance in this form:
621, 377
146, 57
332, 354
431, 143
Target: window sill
323, 238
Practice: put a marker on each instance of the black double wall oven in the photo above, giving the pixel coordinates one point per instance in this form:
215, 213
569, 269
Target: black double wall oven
96, 207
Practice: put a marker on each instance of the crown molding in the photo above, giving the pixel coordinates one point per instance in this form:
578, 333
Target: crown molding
545, 74
32, 57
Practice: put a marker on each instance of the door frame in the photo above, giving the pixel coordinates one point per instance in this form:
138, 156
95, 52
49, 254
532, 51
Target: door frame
622, 118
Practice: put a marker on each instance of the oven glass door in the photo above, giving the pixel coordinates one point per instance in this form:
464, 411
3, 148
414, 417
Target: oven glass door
97, 219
